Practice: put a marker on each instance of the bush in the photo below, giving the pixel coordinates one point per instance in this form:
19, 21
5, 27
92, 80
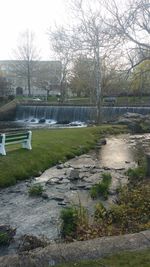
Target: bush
69, 217
101, 189
100, 211
136, 175
36, 190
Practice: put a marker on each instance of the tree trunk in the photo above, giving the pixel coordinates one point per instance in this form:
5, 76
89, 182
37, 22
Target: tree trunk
29, 80
98, 84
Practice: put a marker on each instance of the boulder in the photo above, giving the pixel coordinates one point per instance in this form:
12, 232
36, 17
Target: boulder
74, 175
30, 242
42, 120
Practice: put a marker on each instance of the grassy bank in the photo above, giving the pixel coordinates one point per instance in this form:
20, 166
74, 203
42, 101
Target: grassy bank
126, 259
49, 147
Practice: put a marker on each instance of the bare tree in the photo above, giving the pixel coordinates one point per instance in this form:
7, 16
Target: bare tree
48, 77
90, 38
60, 41
27, 58
131, 26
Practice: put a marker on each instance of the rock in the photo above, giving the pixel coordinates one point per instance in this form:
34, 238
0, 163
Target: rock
73, 188
74, 175
67, 165
30, 242
93, 171
42, 120
57, 198
44, 196
59, 167
63, 122
62, 204
65, 181
88, 187
52, 181
135, 127
130, 115
106, 168
81, 186
103, 142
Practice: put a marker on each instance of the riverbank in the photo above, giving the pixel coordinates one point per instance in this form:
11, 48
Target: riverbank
63, 187
49, 147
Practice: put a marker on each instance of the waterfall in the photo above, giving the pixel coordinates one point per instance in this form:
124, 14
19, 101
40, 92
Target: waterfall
74, 113
57, 113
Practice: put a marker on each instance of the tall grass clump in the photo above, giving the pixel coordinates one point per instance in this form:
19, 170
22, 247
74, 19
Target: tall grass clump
137, 173
102, 188
36, 190
73, 218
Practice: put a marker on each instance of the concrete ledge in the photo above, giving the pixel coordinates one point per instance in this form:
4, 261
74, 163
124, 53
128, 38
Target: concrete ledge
80, 250
8, 111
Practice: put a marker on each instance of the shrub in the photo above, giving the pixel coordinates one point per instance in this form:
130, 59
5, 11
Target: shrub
100, 211
74, 222
69, 217
101, 189
36, 190
136, 174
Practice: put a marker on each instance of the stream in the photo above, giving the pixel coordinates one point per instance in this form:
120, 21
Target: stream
39, 216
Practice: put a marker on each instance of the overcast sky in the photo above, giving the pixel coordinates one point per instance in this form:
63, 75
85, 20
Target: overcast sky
36, 15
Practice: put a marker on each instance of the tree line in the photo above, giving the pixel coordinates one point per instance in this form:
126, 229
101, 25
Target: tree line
104, 49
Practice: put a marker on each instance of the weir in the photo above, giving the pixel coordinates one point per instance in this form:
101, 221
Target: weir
74, 113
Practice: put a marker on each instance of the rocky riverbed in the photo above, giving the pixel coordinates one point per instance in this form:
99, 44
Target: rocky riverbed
65, 184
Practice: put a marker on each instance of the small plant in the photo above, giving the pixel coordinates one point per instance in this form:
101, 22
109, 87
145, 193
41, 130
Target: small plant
106, 178
136, 174
6, 234
74, 222
36, 190
101, 189
100, 211
4, 239
69, 217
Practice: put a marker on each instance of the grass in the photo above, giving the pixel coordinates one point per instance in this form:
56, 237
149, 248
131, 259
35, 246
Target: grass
36, 190
101, 189
48, 148
69, 217
124, 259
4, 239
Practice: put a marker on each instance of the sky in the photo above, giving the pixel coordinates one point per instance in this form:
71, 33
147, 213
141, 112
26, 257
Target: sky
16, 16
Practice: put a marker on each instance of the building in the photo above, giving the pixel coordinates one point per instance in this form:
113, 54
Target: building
43, 77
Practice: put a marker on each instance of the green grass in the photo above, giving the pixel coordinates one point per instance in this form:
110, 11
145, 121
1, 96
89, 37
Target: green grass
36, 190
4, 239
48, 148
125, 259
101, 189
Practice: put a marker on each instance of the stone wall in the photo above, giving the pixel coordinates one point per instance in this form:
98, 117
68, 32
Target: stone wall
77, 251
8, 111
